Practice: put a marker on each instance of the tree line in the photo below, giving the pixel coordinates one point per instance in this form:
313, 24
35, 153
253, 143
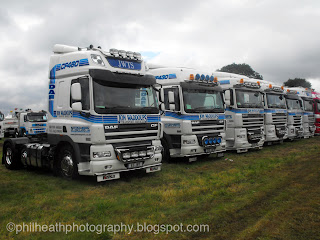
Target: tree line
246, 70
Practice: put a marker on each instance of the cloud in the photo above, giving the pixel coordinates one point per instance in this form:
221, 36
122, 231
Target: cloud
278, 39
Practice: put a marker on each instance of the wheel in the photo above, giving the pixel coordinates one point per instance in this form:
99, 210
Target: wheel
11, 156
24, 156
166, 151
66, 163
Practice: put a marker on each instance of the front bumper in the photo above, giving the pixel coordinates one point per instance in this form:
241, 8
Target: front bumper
195, 149
110, 165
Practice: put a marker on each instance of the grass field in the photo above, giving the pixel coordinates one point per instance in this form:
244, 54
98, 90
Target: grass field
269, 194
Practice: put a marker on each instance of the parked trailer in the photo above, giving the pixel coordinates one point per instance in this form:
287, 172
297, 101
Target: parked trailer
193, 113
103, 117
10, 125
244, 112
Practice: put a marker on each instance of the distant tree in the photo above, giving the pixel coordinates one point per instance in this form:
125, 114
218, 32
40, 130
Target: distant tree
242, 68
297, 82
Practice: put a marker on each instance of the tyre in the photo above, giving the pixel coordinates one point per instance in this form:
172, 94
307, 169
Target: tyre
66, 165
11, 156
24, 156
166, 151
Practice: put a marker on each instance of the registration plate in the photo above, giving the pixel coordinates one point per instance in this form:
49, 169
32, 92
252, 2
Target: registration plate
135, 165
153, 169
109, 176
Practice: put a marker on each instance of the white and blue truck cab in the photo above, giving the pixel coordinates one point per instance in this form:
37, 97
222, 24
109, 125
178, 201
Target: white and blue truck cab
192, 107
244, 112
1, 125
32, 123
294, 114
275, 113
103, 117
308, 118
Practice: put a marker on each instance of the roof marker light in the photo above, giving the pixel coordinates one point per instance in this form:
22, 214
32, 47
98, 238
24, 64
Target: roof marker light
137, 55
191, 77
130, 54
197, 76
123, 53
114, 52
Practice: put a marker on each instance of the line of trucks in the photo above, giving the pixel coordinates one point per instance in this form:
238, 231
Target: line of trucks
109, 113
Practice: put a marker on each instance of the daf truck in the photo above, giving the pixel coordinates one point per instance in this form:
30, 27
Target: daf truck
275, 113
192, 113
294, 114
316, 107
308, 118
244, 112
103, 117
32, 123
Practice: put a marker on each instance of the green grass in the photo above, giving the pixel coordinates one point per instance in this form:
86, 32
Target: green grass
269, 194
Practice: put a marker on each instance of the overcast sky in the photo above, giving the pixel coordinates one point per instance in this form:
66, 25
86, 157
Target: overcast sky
278, 39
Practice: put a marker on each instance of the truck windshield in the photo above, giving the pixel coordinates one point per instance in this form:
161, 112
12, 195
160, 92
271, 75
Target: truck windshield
294, 104
276, 101
199, 101
248, 99
308, 105
1, 116
119, 99
36, 117
318, 106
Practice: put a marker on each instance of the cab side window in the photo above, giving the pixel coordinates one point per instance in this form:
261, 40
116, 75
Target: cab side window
85, 96
175, 90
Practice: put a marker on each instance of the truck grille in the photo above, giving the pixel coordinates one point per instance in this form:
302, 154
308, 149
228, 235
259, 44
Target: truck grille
279, 119
252, 120
207, 126
130, 132
297, 120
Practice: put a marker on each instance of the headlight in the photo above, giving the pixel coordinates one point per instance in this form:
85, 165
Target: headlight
97, 59
134, 154
241, 136
192, 141
150, 152
158, 148
142, 153
211, 141
101, 154
219, 140
126, 155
